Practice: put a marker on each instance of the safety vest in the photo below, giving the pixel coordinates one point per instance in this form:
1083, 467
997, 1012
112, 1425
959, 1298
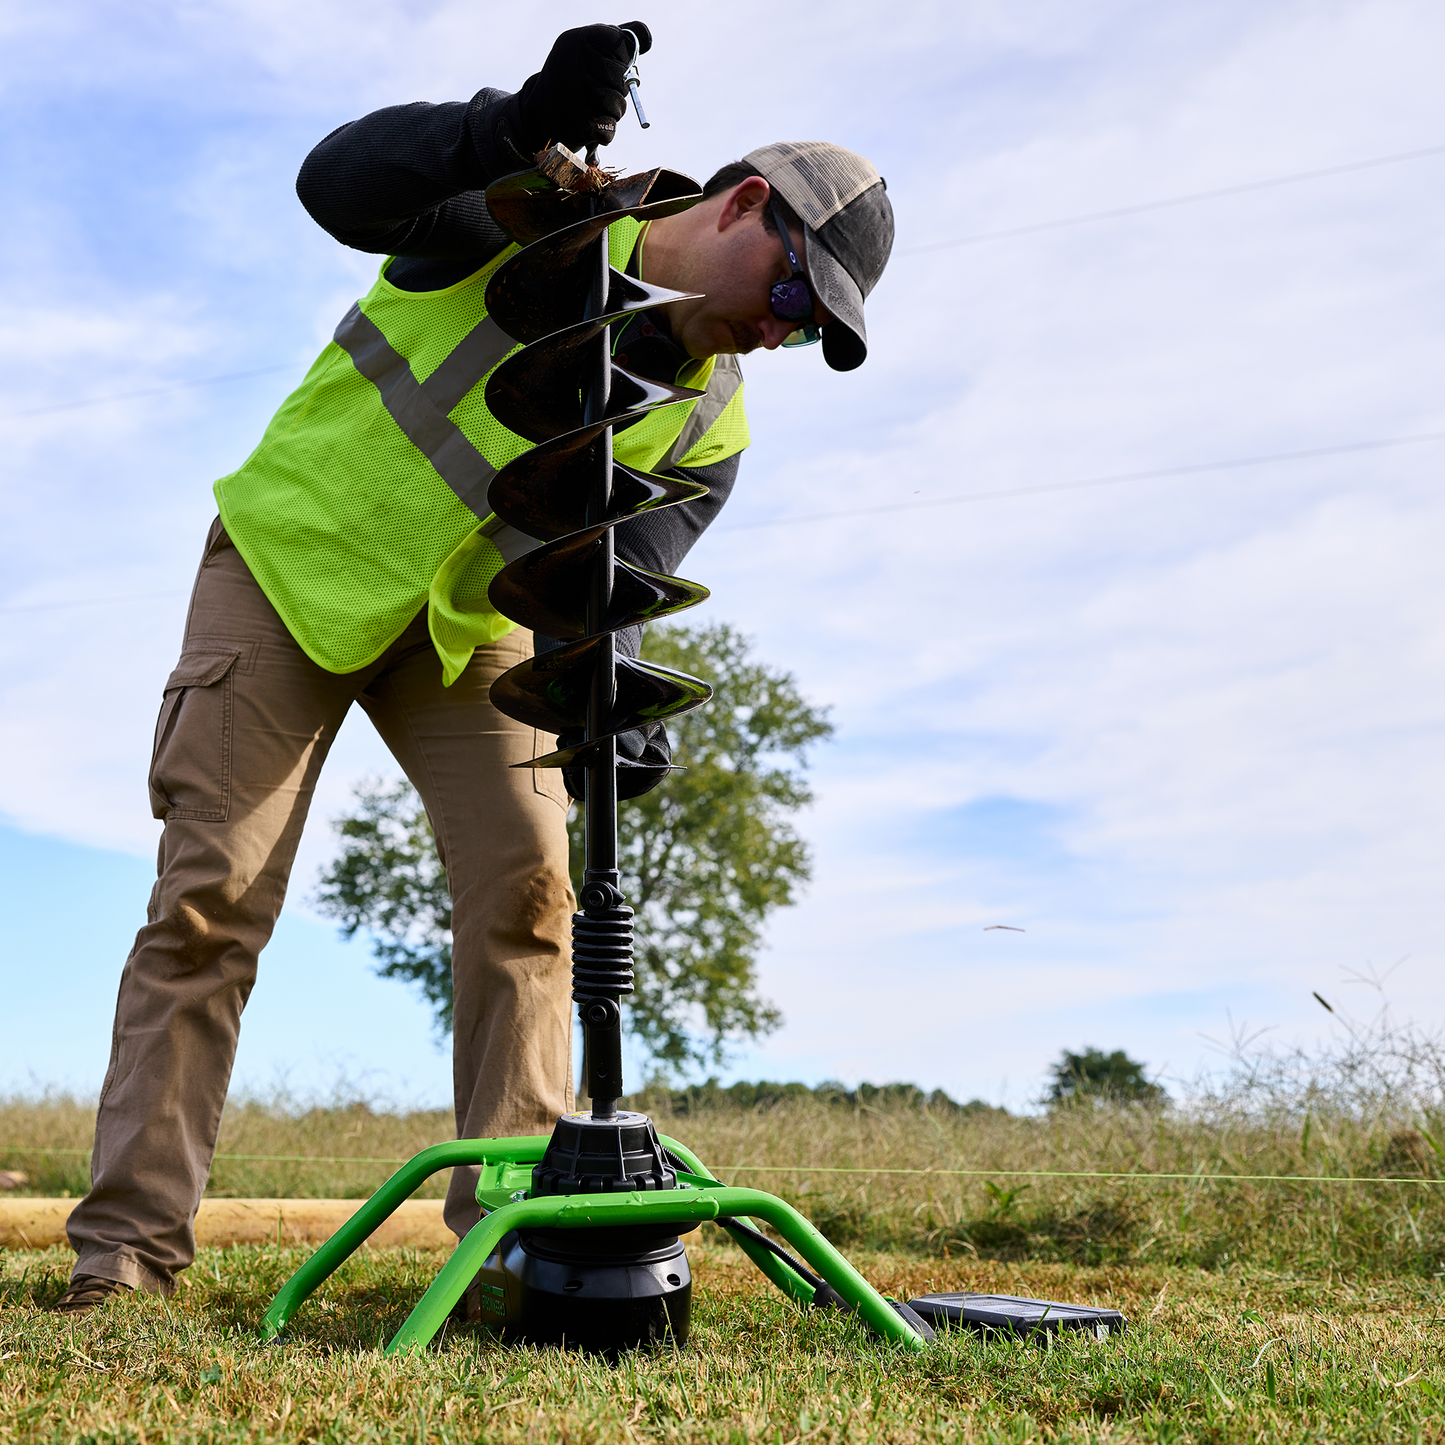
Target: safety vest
363, 499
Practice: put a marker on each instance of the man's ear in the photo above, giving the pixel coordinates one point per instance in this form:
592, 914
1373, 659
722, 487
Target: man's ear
743, 202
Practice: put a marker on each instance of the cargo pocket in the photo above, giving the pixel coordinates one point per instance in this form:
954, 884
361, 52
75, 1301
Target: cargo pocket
548, 781
191, 763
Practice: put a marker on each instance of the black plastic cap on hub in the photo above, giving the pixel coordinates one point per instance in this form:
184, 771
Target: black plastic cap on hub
603, 1156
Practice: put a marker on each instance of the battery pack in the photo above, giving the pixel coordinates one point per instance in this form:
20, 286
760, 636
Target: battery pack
1014, 1314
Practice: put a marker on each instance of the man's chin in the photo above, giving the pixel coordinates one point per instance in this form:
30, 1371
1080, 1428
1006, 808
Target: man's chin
745, 339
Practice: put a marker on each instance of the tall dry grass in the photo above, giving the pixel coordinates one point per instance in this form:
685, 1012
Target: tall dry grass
285, 1145
1366, 1108
999, 1211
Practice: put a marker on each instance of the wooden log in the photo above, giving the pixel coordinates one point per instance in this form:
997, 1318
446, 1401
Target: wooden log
40, 1223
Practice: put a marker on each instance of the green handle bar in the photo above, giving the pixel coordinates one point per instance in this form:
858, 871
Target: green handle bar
689, 1205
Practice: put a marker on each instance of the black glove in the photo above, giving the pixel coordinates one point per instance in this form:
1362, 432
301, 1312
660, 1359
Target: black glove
579, 95
647, 745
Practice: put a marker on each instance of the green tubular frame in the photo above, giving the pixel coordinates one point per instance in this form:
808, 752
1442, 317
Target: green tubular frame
700, 1197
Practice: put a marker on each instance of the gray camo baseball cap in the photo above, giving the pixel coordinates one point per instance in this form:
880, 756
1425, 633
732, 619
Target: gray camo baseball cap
847, 228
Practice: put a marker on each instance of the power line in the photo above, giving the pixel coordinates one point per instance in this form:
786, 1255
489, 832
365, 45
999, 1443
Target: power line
1137, 1176
148, 391
1109, 479
1190, 199
1193, 198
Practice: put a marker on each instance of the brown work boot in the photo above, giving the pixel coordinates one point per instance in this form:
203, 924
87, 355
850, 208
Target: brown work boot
85, 1293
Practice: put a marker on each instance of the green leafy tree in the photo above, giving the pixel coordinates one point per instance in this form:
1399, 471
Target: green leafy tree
705, 859
1094, 1077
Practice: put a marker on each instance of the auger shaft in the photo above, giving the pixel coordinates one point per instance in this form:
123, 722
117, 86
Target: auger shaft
601, 842
602, 899
590, 1254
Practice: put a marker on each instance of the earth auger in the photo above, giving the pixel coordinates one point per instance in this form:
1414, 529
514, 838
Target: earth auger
580, 1237
579, 1240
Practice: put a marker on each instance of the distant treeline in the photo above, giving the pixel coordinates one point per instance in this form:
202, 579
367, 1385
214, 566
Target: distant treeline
712, 1095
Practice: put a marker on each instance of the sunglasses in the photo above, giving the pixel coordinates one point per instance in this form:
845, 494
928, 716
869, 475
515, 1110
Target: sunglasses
792, 300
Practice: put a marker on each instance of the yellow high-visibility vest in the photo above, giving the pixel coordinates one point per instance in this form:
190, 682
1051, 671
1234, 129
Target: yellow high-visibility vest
363, 499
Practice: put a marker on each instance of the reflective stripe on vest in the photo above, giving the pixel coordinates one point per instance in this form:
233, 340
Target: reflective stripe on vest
420, 408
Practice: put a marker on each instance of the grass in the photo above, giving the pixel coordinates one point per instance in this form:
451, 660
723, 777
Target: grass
1282, 1311
1234, 1354
271, 1127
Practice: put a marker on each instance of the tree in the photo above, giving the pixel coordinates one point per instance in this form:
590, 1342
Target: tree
705, 859
1098, 1078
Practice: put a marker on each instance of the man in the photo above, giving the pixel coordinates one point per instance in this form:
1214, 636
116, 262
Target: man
350, 564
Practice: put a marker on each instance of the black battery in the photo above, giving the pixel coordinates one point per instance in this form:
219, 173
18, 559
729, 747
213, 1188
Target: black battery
1015, 1314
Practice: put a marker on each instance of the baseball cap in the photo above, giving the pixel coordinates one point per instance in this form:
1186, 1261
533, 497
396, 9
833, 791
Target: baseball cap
847, 227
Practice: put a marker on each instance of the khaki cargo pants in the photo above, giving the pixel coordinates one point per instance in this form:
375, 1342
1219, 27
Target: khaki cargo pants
244, 729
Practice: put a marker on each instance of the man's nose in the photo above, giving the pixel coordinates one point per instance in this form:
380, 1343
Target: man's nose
776, 332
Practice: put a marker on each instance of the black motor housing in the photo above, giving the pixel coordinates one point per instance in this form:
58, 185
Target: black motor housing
602, 1290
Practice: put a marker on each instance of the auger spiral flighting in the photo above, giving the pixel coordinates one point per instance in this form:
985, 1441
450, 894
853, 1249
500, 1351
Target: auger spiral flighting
559, 295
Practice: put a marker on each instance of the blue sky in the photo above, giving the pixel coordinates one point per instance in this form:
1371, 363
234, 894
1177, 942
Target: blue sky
1183, 731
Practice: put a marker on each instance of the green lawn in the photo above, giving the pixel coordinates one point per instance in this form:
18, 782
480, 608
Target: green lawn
1233, 1354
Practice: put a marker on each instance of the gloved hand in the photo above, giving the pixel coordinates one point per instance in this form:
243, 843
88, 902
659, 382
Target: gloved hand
579, 95
647, 744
